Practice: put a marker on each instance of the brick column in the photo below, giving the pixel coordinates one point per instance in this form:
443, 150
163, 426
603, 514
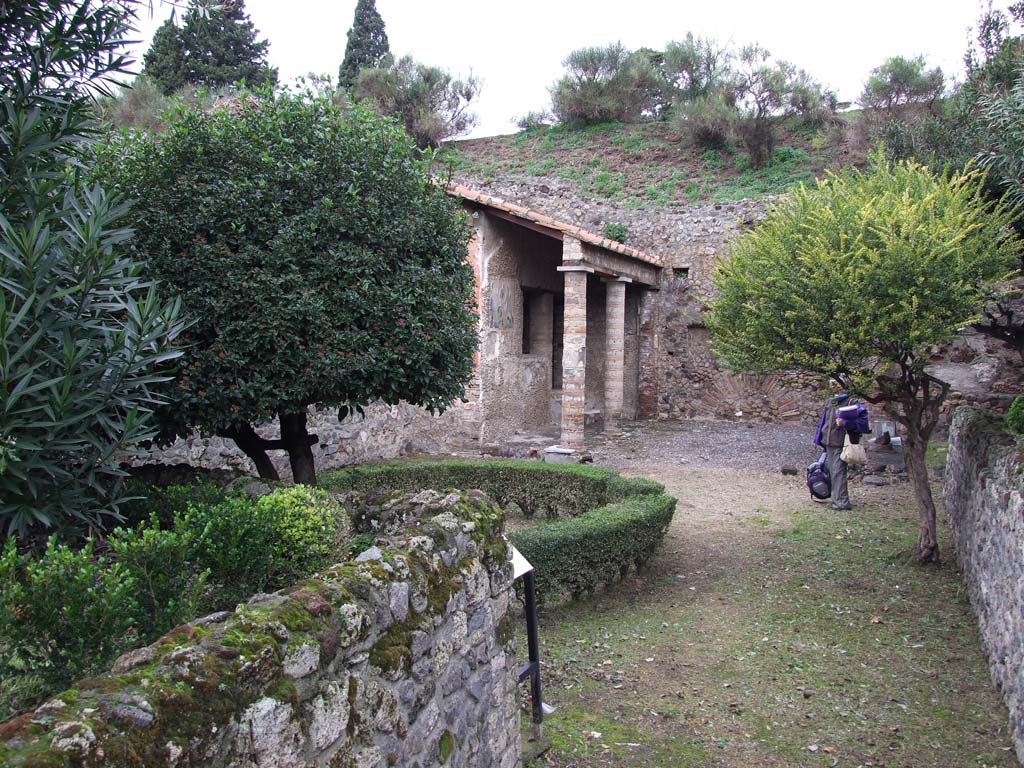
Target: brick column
648, 389
574, 357
615, 353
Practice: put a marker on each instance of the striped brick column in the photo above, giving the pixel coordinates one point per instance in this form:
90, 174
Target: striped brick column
615, 353
574, 356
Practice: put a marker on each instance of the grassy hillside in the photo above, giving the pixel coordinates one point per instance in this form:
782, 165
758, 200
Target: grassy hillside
650, 165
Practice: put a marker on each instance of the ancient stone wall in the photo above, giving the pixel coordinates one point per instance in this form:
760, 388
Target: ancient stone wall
984, 493
403, 658
382, 432
688, 380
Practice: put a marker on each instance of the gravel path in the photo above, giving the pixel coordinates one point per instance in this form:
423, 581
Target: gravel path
708, 444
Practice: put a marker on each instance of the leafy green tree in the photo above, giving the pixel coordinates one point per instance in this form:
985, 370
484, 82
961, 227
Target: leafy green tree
83, 333
323, 265
901, 82
367, 45
610, 83
857, 279
429, 102
214, 46
766, 92
696, 67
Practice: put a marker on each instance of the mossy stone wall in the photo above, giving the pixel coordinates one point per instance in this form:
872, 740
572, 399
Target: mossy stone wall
399, 658
984, 493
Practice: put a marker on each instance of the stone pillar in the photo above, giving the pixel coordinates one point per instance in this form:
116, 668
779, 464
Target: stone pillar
648, 386
615, 353
574, 352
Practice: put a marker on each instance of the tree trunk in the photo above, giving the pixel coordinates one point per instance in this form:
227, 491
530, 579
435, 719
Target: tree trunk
917, 469
255, 447
297, 441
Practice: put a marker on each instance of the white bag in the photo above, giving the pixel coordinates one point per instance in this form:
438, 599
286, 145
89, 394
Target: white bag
854, 455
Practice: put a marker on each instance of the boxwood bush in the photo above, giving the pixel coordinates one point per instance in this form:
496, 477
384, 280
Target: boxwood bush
602, 525
67, 612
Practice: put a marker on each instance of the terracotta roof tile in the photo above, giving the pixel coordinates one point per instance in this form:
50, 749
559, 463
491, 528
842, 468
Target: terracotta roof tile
465, 193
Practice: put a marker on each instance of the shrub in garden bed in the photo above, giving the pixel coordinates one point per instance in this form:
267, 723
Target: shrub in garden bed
602, 525
67, 612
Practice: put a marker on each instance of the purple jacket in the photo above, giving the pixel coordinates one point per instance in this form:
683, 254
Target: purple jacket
827, 418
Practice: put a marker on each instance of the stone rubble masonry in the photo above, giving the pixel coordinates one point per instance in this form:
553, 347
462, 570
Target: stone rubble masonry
574, 354
679, 374
402, 657
615, 353
382, 432
984, 495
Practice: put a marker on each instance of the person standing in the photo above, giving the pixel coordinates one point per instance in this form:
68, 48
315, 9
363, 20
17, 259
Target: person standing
830, 437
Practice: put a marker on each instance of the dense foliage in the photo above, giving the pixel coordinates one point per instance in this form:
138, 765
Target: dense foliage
65, 613
214, 46
83, 333
367, 44
608, 83
900, 81
857, 279
602, 525
713, 93
430, 103
321, 263
1015, 416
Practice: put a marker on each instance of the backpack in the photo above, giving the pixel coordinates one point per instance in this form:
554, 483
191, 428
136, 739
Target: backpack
819, 480
856, 418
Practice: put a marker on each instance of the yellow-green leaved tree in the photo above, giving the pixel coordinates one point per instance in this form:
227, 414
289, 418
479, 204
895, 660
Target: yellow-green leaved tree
858, 278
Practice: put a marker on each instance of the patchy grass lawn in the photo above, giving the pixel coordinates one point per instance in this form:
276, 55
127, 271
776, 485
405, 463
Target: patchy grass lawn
778, 635
649, 165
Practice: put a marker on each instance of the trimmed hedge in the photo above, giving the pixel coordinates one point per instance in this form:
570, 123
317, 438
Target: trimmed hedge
603, 525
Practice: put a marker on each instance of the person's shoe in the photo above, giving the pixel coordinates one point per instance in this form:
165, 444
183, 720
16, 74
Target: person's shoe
837, 506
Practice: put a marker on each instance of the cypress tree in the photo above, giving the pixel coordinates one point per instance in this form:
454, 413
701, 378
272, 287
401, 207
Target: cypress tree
367, 43
211, 48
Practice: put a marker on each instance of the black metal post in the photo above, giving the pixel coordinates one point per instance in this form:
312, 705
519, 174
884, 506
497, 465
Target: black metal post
534, 646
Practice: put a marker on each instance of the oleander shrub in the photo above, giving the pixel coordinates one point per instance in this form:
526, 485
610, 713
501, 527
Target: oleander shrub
602, 525
1015, 416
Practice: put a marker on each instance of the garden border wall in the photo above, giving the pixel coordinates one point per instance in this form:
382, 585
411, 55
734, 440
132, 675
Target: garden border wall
403, 657
984, 494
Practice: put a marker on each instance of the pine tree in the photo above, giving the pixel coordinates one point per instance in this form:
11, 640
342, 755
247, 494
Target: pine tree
367, 43
212, 48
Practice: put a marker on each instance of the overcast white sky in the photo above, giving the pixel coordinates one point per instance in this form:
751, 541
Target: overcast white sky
516, 48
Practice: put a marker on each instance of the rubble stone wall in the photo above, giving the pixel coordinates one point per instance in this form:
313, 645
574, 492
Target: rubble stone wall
984, 494
403, 657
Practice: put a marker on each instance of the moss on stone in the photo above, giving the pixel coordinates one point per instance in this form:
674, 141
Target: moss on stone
284, 690
506, 631
294, 616
445, 746
393, 651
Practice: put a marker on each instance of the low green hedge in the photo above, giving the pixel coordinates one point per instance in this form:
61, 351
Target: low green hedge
577, 556
603, 525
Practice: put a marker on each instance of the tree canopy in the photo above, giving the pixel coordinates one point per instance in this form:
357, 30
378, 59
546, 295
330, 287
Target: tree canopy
857, 279
430, 103
900, 81
367, 44
213, 47
322, 264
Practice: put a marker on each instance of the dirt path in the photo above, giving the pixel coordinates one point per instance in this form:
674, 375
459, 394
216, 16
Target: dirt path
769, 630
